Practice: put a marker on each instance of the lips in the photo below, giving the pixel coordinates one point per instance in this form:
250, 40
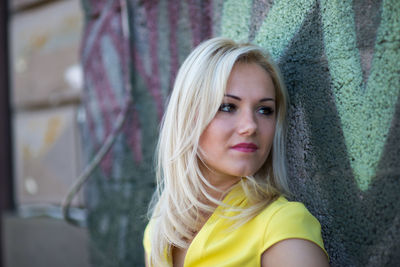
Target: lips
245, 147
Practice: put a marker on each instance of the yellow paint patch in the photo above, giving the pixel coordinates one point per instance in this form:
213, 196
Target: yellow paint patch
52, 131
39, 41
26, 153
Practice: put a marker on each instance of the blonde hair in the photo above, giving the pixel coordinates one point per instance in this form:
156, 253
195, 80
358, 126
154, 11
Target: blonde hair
181, 198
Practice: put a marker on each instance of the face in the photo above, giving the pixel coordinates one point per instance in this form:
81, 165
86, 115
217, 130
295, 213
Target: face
238, 140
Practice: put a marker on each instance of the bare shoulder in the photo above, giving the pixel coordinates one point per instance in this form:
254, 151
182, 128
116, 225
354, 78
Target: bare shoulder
294, 252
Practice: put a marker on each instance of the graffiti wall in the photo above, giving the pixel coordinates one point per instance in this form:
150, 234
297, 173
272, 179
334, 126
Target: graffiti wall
340, 60
341, 63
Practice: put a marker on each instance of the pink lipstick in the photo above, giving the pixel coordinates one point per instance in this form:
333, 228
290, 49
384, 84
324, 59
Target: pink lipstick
245, 147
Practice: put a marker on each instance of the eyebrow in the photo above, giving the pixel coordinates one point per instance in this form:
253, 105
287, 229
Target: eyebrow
261, 100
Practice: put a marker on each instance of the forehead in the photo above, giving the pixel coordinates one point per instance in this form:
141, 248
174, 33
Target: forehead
250, 79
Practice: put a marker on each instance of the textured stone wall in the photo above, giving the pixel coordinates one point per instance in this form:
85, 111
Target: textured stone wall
341, 63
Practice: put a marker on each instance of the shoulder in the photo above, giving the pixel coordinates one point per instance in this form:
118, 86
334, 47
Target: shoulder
290, 213
294, 253
285, 219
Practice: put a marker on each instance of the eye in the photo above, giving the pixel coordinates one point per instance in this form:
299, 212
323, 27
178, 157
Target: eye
226, 107
266, 111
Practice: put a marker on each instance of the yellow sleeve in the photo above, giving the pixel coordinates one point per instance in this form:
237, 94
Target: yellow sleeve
146, 240
292, 220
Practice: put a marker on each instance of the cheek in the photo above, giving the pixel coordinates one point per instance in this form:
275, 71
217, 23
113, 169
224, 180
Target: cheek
213, 136
206, 140
268, 128
268, 133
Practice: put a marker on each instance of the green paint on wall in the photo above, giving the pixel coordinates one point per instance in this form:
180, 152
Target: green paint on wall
365, 114
366, 110
236, 19
281, 24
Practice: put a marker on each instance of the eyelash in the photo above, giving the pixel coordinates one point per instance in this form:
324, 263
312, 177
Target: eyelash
229, 108
225, 106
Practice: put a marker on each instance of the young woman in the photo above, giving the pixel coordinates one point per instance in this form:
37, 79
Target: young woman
221, 168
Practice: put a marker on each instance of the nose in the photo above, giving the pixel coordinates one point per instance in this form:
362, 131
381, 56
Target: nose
247, 124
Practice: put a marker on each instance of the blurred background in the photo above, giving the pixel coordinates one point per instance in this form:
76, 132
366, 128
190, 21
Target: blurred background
77, 76
41, 153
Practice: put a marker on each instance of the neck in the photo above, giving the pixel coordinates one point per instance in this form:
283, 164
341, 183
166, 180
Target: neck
222, 182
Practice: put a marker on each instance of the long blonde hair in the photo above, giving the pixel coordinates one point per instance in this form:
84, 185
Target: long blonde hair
181, 198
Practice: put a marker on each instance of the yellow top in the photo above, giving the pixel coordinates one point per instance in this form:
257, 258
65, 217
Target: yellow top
218, 245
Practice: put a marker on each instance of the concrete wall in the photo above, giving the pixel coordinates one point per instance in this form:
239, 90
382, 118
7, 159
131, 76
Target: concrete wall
45, 95
37, 242
341, 63
45, 92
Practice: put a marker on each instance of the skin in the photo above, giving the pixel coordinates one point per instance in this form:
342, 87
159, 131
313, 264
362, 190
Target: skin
247, 115
303, 253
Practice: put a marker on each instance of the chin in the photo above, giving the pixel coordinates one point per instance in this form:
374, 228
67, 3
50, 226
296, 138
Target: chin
245, 173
